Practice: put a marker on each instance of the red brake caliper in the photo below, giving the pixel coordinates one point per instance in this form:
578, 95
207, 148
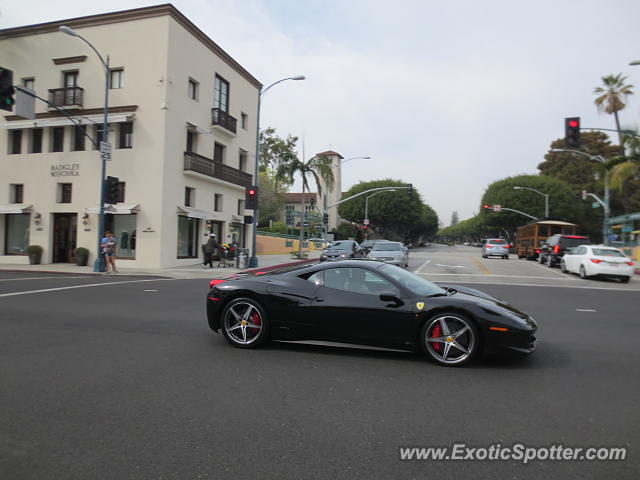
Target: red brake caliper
435, 333
255, 319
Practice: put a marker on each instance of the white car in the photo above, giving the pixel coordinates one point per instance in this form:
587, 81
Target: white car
597, 260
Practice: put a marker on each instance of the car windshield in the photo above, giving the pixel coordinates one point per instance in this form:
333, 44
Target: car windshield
573, 241
417, 285
606, 252
497, 242
341, 246
386, 247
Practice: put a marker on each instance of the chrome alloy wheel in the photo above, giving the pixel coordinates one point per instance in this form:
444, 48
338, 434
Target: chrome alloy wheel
450, 339
243, 322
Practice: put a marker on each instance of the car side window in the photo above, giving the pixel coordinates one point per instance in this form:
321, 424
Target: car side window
358, 280
580, 251
317, 278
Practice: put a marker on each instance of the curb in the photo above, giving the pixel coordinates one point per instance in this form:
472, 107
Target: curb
275, 267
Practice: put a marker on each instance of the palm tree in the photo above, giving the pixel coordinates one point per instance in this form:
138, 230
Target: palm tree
316, 168
612, 97
626, 170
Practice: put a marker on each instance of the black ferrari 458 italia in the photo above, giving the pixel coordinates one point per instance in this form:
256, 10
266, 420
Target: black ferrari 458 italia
368, 303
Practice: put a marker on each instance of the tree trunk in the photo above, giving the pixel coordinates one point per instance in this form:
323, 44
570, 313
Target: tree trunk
301, 226
615, 115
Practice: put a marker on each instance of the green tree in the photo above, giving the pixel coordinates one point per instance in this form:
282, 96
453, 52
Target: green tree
270, 199
454, 218
611, 98
395, 215
315, 168
624, 178
274, 150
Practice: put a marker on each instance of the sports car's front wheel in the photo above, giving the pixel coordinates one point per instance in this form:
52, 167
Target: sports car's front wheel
450, 339
244, 323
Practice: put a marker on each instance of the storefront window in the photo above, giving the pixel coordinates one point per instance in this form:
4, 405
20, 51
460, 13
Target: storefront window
187, 237
123, 227
237, 234
16, 233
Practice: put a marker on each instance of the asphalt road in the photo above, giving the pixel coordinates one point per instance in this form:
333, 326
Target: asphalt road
119, 377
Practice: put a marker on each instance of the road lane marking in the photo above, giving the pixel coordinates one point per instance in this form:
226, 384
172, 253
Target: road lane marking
152, 290
551, 270
585, 310
44, 290
422, 266
483, 269
488, 284
38, 278
506, 276
449, 266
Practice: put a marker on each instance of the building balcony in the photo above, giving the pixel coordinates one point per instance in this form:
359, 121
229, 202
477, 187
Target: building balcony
221, 119
66, 96
206, 166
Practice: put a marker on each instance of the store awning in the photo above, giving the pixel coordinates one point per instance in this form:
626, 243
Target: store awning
15, 208
195, 213
117, 209
64, 121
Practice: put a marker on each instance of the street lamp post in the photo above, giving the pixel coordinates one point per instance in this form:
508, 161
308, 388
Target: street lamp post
99, 265
545, 195
253, 260
345, 160
603, 161
366, 209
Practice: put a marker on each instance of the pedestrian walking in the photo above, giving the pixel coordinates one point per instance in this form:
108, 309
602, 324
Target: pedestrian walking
109, 246
209, 250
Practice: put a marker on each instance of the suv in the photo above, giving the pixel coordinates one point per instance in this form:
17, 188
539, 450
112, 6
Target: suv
495, 246
557, 245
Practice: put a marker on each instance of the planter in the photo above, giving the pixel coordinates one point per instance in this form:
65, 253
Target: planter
35, 254
82, 256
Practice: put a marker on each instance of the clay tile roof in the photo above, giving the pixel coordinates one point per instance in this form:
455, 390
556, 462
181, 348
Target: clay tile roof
329, 153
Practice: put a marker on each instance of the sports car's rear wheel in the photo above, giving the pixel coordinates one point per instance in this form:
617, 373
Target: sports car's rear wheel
450, 339
244, 323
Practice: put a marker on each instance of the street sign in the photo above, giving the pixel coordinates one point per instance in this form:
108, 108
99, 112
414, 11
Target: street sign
627, 228
105, 151
366, 221
497, 208
595, 205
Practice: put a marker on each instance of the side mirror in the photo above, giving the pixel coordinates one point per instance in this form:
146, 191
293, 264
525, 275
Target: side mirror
390, 297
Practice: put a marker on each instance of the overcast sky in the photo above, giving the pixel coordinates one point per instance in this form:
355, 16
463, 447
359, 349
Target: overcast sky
449, 96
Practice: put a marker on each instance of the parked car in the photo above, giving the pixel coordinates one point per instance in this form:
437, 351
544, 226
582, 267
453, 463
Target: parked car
495, 247
597, 260
556, 246
341, 249
367, 245
394, 253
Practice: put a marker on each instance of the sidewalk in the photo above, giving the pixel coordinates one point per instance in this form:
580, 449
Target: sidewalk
265, 262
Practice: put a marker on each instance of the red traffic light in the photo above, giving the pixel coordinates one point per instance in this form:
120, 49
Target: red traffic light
251, 192
485, 206
574, 123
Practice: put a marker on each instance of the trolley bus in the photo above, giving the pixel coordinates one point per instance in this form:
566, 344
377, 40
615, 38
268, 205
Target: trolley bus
530, 237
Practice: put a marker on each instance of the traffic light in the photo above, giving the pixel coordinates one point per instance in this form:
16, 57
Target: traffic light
6, 90
325, 219
251, 198
409, 189
572, 132
486, 207
248, 219
365, 227
111, 192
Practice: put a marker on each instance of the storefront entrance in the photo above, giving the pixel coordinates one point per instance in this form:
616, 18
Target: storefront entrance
64, 237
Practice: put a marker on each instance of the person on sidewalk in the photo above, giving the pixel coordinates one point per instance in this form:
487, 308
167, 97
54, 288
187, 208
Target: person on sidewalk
209, 250
109, 245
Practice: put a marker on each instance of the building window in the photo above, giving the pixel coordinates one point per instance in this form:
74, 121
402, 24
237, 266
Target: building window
192, 140
29, 83
288, 214
57, 139
97, 135
189, 197
221, 94
16, 192
310, 208
244, 118
123, 227
192, 89
242, 160
188, 237
36, 140
218, 152
116, 78
70, 79
64, 193
126, 135
15, 141
121, 186
78, 137
240, 207
16, 236
217, 204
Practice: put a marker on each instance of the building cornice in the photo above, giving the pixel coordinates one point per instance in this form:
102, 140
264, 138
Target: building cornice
127, 16
78, 112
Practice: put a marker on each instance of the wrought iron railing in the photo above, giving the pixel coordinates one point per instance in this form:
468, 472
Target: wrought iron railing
206, 166
223, 119
66, 96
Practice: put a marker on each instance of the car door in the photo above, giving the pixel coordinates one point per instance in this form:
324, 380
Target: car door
348, 308
573, 260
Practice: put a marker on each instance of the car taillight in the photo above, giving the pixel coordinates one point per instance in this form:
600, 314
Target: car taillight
629, 263
556, 249
487, 246
595, 260
537, 251
215, 282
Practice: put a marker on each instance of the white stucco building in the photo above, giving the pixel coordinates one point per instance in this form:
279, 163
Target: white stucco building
182, 117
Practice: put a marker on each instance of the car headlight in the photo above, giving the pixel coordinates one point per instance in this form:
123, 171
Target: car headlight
344, 255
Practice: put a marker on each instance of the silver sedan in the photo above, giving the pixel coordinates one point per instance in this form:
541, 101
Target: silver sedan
394, 253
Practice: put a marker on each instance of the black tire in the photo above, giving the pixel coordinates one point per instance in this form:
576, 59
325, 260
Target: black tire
549, 261
540, 259
563, 267
506, 257
245, 310
463, 350
625, 279
583, 273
